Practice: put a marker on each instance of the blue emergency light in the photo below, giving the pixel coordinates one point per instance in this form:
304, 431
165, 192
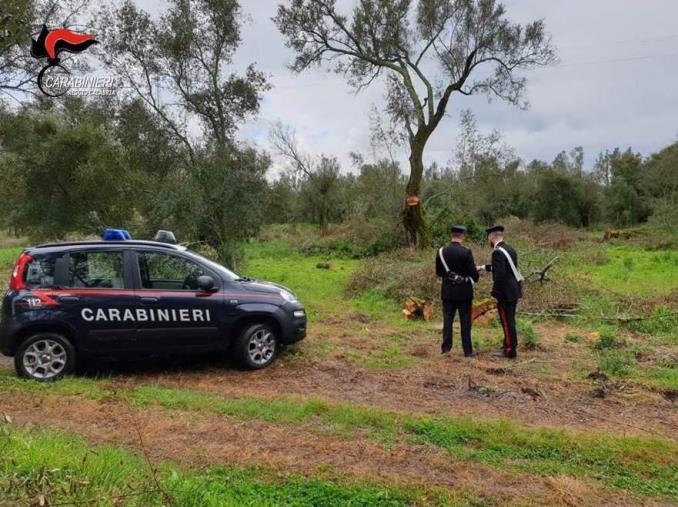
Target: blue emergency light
115, 235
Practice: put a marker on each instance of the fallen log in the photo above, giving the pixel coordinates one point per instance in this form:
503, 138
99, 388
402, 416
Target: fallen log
417, 308
482, 307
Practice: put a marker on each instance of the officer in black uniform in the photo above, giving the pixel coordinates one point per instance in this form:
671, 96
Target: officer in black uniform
506, 289
454, 263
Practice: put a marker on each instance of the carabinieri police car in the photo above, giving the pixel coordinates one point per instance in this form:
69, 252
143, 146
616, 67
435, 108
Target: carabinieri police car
122, 297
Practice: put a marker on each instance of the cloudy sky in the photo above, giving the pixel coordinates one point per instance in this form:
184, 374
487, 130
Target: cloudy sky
616, 85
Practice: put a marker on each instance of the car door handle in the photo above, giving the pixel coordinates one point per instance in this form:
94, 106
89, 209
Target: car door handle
69, 299
149, 300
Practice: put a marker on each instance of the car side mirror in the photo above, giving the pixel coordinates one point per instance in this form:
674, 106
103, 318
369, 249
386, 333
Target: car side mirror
206, 283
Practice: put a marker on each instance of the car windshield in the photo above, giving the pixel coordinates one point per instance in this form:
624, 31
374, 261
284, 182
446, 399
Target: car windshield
226, 273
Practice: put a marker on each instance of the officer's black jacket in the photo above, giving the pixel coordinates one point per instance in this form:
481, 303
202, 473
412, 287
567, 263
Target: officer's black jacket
505, 287
460, 260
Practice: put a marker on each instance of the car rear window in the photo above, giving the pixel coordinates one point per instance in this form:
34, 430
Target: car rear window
40, 273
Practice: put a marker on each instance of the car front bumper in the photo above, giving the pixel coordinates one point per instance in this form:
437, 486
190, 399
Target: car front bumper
294, 326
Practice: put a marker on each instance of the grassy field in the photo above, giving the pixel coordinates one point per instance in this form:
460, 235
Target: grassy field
365, 411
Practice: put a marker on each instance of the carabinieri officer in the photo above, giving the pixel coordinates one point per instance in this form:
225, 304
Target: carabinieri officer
454, 263
507, 287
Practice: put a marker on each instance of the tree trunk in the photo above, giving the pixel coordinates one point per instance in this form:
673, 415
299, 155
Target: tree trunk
413, 214
323, 221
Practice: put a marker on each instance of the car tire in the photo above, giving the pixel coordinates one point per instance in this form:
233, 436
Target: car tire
256, 346
45, 357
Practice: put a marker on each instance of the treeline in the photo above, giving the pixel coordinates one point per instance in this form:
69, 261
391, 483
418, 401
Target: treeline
77, 167
484, 181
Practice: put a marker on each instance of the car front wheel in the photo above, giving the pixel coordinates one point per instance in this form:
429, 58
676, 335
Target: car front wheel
256, 347
45, 357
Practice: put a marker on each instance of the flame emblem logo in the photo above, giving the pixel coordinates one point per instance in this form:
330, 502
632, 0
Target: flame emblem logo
50, 44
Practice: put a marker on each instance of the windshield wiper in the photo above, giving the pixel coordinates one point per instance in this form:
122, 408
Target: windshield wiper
245, 279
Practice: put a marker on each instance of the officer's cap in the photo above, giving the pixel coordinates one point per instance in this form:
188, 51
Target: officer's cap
494, 228
458, 229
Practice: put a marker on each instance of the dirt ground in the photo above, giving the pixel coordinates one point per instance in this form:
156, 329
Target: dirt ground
203, 439
548, 387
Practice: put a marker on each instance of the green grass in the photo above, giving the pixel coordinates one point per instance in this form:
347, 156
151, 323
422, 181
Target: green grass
47, 467
391, 358
641, 465
662, 377
661, 325
629, 270
8, 257
622, 363
321, 290
378, 306
646, 466
91, 388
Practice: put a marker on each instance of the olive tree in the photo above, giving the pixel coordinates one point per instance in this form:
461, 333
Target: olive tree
427, 50
178, 66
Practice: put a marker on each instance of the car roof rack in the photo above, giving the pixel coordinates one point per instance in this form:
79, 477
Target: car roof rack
138, 242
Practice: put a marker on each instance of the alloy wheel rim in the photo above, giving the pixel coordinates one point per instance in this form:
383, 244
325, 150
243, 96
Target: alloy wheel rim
261, 347
45, 359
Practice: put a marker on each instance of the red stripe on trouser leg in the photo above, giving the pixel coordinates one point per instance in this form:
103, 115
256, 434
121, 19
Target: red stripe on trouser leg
504, 325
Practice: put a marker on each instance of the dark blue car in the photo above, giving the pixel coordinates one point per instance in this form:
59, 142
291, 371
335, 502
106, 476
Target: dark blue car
71, 301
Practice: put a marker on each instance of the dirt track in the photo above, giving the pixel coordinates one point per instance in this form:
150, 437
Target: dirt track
201, 439
486, 387
535, 390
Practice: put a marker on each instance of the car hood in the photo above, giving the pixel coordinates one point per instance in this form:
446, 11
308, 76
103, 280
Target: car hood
263, 286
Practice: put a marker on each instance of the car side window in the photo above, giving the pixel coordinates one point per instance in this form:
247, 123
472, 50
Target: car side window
169, 272
95, 270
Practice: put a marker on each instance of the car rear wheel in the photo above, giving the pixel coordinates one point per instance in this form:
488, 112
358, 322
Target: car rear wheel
45, 357
256, 347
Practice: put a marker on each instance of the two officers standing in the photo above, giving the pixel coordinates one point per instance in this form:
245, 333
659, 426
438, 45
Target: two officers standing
455, 265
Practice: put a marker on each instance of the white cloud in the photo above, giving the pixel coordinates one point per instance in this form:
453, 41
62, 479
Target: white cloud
616, 85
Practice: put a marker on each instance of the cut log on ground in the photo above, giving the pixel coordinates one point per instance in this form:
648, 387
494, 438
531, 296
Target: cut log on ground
482, 307
417, 308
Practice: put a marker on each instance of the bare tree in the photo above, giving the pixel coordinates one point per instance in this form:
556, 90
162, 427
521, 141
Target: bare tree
320, 173
425, 47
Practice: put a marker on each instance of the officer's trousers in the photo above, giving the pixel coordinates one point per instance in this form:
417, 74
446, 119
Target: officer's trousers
507, 315
449, 310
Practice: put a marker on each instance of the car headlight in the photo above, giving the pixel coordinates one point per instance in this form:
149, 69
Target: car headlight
288, 296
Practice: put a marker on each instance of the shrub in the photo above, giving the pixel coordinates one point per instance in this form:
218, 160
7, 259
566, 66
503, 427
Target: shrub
396, 275
355, 239
607, 339
545, 235
526, 334
617, 363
